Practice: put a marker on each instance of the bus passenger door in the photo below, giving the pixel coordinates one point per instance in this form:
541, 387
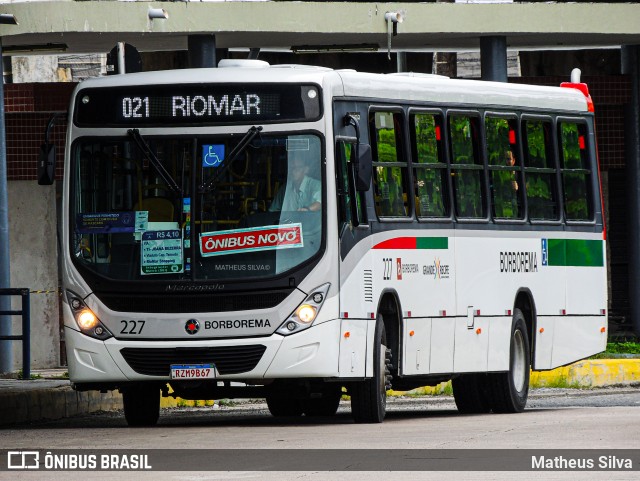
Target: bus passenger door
356, 278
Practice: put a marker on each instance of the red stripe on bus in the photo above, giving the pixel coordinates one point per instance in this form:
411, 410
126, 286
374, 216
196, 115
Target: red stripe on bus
398, 243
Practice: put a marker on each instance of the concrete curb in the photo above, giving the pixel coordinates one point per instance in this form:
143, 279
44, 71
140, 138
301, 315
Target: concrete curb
36, 400
21, 404
590, 373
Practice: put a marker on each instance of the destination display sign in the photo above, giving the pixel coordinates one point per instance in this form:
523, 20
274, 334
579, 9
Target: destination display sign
196, 104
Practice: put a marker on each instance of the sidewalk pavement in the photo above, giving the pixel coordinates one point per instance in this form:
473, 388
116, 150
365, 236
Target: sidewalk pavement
51, 396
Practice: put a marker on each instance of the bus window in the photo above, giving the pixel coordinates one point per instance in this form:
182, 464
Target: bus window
390, 170
429, 167
575, 171
504, 168
346, 153
540, 170
466, 169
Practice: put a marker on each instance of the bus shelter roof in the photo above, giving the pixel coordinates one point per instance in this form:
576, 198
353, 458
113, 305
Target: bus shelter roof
96, 26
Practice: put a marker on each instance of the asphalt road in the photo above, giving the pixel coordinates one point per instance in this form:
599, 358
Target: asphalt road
555, 419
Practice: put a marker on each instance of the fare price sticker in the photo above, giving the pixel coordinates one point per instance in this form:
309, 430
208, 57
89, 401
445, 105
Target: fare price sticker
161, 252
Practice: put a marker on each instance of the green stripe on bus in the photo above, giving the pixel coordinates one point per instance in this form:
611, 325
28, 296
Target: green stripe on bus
575, 253
432, 243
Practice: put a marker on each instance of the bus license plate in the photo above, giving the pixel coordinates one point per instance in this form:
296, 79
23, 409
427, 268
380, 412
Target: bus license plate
193, 371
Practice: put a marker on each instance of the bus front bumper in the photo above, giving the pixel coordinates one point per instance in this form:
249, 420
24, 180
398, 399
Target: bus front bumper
313, 352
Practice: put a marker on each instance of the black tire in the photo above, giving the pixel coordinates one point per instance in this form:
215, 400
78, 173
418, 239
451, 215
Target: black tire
283, 407
369, 397
471, 393
509, 390
141, 405
326, 405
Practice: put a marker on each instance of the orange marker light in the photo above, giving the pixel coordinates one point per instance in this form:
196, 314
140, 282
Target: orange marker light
347, 335
541, 330
478, 331
603, 329
411, 333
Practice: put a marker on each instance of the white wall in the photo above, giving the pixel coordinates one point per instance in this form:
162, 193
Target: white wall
33, 252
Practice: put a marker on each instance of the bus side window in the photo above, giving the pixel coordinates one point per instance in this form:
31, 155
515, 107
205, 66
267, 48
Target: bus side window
390, 167
467, 168
429, 166
505, 174
540, 170
346, 154
575, 170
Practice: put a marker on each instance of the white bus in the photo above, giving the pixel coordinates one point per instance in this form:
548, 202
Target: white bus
296, 233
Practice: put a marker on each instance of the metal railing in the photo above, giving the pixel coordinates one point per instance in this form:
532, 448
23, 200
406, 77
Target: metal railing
25, 337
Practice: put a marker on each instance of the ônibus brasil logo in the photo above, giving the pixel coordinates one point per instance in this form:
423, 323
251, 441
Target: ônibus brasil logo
192, 326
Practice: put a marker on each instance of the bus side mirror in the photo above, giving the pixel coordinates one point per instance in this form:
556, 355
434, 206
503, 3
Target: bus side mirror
47, 164
365, 160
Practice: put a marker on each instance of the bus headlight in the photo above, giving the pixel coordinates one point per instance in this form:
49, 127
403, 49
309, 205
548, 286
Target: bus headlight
86, 320
306, 312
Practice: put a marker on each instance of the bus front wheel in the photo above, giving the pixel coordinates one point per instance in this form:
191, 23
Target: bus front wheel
509, 390
141, 405
325, 405
284, 407
369, 397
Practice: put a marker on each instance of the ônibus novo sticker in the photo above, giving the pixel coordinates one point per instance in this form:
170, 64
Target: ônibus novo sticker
251, 240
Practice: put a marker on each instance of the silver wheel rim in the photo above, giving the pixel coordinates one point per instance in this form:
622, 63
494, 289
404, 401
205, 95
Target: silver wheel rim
519, 361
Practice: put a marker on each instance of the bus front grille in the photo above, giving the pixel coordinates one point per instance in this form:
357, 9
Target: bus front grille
190, 303
227, 359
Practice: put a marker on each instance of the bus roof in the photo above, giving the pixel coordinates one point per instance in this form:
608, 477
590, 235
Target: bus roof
443, 90
412, 87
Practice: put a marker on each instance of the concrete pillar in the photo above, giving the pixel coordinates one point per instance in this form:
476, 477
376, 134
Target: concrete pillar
202, 51
631, 67
493, 58
6, 347
445, 63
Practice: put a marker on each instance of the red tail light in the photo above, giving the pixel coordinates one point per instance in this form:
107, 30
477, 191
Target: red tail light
582, 87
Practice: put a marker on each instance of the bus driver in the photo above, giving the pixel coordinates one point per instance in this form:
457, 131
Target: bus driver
302, 193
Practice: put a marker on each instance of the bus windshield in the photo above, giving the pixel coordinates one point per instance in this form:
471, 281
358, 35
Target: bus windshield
239, 206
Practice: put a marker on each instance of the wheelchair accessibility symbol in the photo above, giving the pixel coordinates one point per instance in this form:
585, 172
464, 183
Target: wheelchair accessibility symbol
212, 155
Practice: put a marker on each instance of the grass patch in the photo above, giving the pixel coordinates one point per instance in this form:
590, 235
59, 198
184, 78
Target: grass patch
619, 349
623, 348
20, 375
188, 403
559, 382
442, 389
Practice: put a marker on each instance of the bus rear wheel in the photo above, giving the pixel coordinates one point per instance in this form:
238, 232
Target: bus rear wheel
470, 392
141, 405
509, 390
369, 397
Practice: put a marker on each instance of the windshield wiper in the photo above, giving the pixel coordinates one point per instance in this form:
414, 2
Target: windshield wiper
237, 150
151, 157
